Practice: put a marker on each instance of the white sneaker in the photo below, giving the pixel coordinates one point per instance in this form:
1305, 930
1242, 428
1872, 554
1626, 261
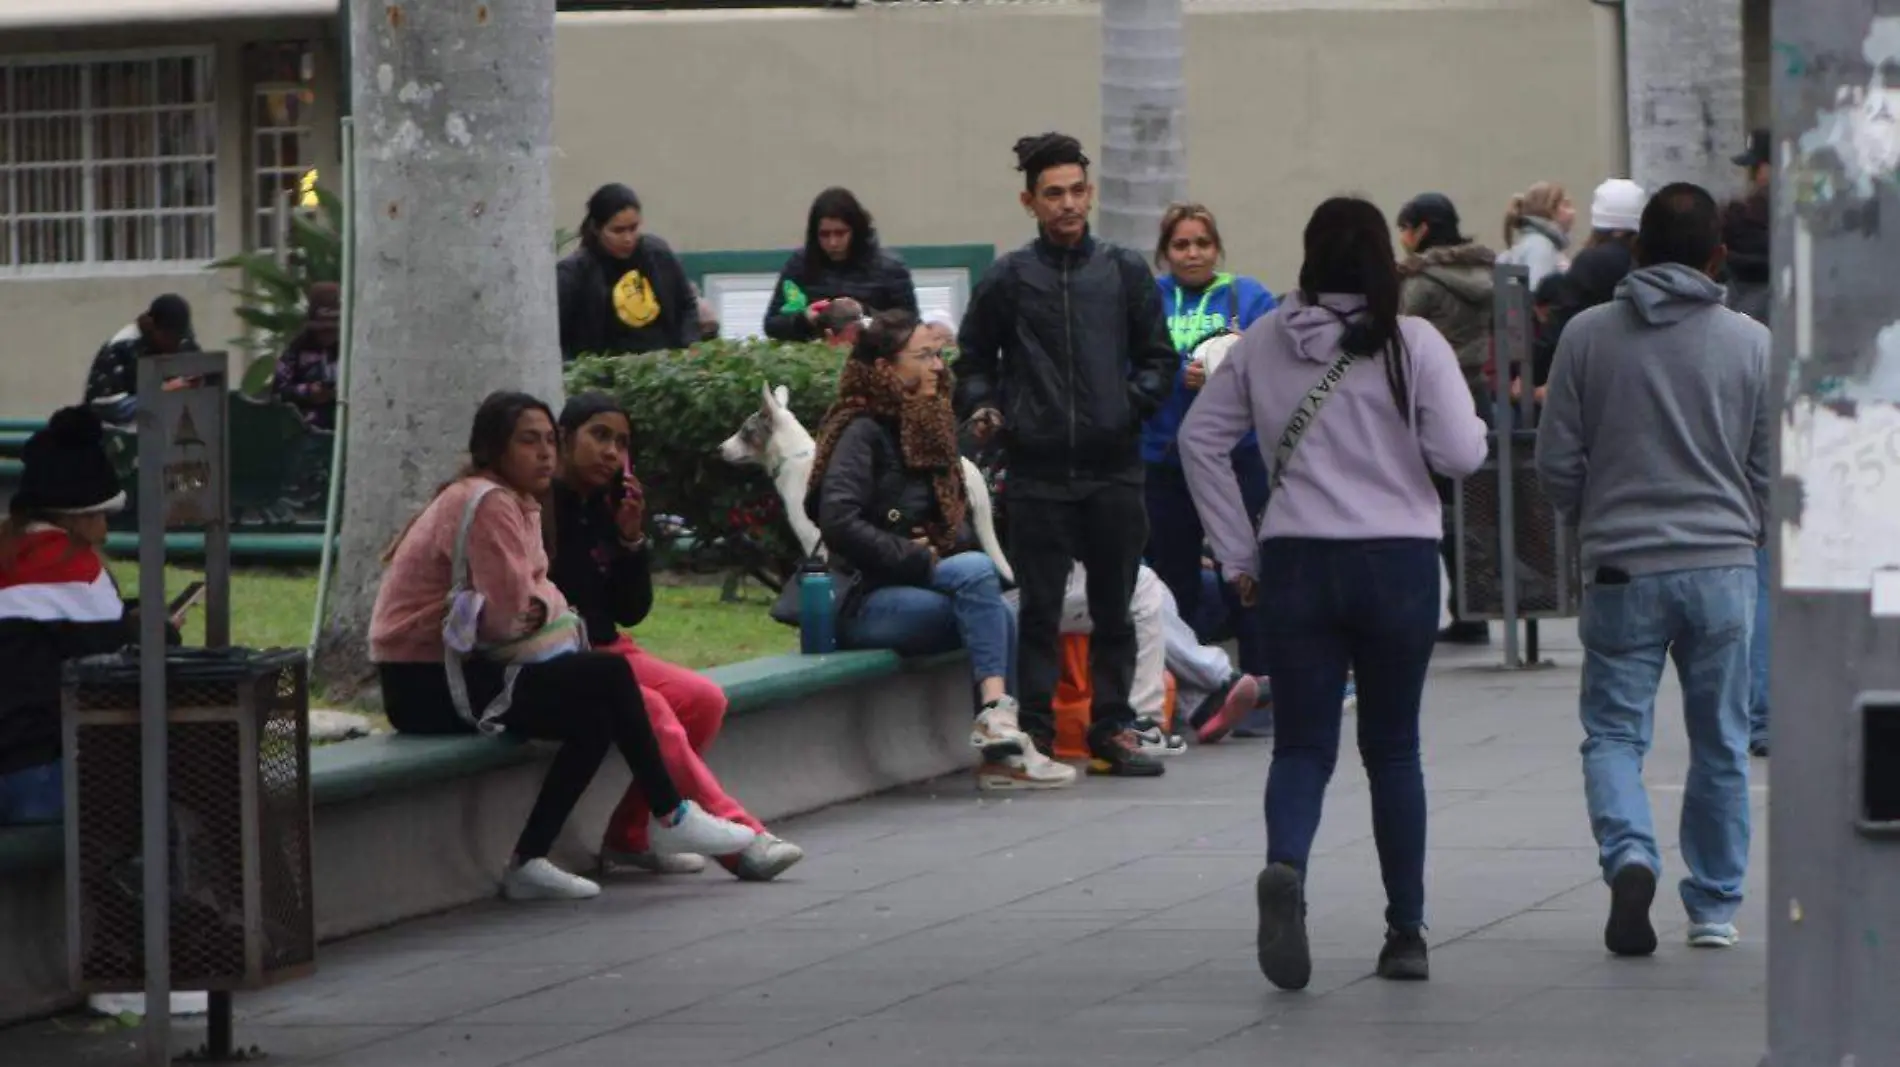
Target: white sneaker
1029, 770
538, 879
698, 832
1713, 935
996, 732
1155, 741
652, 862
767, 857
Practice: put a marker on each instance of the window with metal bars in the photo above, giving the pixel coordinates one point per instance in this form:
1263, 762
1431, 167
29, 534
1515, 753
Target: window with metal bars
108, 163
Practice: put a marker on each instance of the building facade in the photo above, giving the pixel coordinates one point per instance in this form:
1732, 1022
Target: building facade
143, 140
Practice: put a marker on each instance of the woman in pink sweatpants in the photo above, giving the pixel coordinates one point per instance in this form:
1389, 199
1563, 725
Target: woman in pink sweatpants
601, 564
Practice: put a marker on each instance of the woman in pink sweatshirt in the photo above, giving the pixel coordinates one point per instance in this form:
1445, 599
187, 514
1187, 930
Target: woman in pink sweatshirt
527, 671
1356, 407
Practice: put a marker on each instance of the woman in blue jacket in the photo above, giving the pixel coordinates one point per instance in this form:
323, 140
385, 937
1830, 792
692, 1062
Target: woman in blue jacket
1202, 301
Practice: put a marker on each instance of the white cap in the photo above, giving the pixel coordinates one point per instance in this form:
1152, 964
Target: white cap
940, 317
1618, 205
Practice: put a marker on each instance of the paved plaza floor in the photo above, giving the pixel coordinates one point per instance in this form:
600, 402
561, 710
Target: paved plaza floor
1108, 925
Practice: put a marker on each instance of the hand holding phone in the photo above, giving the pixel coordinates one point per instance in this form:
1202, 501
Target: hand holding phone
630, 514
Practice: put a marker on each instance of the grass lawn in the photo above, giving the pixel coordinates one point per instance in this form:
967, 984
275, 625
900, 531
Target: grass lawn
270, 607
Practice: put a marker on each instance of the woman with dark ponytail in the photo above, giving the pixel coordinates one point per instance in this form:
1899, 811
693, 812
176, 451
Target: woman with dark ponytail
1345, 563
623, 290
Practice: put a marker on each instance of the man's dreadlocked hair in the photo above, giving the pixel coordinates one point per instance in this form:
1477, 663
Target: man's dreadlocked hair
1038, 153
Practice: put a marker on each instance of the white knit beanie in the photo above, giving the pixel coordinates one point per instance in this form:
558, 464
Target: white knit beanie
1618, 205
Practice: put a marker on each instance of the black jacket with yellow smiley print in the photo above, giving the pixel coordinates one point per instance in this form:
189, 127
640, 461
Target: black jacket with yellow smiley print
643, 303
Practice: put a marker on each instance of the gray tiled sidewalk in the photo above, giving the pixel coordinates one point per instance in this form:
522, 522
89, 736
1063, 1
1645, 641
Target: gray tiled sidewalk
1110, 925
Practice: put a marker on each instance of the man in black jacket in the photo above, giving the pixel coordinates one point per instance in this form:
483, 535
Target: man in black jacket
1065, 349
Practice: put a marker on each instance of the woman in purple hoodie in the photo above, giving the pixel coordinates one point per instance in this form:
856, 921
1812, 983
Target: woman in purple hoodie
1356, 407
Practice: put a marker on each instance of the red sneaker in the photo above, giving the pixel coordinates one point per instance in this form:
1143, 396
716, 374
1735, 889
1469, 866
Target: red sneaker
1240, 702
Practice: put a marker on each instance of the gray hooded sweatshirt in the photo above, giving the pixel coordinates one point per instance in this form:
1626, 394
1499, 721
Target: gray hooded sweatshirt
1654, 440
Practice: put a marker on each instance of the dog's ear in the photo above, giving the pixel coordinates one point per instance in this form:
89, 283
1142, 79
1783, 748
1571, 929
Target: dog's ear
783, 396
765, 393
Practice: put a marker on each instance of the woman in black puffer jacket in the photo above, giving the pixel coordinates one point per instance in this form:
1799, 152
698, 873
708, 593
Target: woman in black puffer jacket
841, 258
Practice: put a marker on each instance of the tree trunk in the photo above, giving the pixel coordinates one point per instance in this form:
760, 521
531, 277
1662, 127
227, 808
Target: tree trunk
454, 274
1685, 78
1144, 152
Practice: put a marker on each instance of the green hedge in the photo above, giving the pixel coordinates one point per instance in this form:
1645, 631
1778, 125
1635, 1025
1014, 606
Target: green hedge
682, 406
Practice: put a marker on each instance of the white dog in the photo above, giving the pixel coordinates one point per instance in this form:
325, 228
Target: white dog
773, 438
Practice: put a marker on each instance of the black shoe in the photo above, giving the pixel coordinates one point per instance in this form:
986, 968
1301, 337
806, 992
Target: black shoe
1404, 958
1629, 932
1468, 632
1115, 751
1758, 749
1284, 955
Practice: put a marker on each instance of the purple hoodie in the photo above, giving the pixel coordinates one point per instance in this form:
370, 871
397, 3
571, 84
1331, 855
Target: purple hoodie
1360, 472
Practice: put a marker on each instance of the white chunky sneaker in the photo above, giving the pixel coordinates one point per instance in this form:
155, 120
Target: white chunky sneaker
538, 879
1155, 741
767, 857
1029, 770
695, 831
996, 732
652, 862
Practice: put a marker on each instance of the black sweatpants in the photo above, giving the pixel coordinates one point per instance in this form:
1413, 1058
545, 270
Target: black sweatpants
588, 701
1104, 529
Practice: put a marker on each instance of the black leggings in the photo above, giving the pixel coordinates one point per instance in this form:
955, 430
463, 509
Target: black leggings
588, 701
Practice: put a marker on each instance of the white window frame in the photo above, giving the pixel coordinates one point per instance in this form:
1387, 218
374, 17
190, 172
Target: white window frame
88, 213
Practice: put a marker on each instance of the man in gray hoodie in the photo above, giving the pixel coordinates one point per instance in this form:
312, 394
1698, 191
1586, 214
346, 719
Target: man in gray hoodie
1655, 445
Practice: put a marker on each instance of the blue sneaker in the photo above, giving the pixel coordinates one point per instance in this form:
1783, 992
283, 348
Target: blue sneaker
1713, 935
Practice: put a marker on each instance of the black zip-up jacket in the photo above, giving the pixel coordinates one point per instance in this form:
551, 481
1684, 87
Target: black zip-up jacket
1071, 345
866, 505
879, 282
584, 283
605, 583
1591, 280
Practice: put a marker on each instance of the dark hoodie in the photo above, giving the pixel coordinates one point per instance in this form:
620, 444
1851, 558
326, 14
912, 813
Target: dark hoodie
877, 280
643, 303
1745, 232
1451, 287
605, 583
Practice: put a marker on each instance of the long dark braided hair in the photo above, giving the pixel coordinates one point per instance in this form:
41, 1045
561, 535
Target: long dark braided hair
1348, 250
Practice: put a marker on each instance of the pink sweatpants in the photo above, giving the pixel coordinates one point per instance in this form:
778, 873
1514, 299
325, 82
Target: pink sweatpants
686, 709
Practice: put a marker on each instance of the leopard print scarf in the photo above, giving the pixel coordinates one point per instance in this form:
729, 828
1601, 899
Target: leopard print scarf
927, 434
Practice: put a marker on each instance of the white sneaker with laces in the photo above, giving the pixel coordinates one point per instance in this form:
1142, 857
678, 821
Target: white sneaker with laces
1155, 741
996, 731
1713, 935
767, 857
652, 862
1029, 770
538, 879
697, 832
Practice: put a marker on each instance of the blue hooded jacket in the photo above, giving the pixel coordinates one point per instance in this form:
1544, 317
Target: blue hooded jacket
1194, 317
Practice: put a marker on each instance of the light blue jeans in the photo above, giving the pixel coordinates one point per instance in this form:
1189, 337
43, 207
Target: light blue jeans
962, 608
1758, 652
1701, 619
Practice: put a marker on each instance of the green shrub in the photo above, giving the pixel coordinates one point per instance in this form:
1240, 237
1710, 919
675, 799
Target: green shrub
271, 294
682, 405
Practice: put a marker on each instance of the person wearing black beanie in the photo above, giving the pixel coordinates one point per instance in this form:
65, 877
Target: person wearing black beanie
113, 382
57, 600
623, 290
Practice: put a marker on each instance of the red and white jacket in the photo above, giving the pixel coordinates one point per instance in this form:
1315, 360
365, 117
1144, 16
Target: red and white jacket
57, 602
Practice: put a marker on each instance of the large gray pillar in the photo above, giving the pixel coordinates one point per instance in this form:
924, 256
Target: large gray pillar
1834, 903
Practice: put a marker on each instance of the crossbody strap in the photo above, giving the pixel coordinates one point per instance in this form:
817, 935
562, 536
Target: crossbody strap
1305, 413
461, 583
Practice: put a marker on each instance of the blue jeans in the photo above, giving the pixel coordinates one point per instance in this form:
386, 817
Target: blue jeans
1758, 652
963, 608
32, 795
1701, 619
1174, 551
1371, 606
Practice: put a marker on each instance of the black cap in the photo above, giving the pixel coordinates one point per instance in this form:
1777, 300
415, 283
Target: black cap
171, 314
1759, 150
67, 469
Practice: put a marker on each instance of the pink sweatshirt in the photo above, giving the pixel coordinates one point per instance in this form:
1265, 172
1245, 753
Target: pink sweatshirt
508, 565
1360, 472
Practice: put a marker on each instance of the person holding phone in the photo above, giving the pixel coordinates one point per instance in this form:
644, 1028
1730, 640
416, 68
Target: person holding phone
57, 601
603, 566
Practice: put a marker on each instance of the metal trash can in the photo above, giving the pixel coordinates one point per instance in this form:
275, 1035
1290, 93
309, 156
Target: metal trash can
1549, 571
239, 766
